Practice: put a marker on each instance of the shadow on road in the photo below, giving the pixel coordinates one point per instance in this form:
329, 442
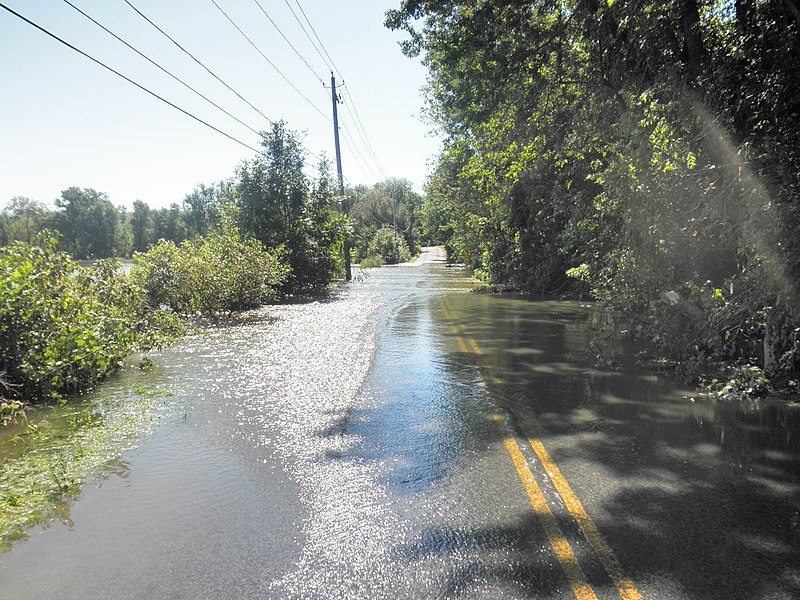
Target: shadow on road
697, 500
703, 497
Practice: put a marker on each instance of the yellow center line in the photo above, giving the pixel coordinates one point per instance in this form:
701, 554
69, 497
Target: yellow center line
627, 590
461, 345
475, 347
561, 547
606, 556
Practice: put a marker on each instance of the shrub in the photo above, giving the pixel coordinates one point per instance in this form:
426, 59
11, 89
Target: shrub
389, 245
217, 273
64, 327
371, 262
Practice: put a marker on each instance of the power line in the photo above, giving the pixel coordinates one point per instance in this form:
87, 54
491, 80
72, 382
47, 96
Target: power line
360, 165
360, 124
195, 59
269, 61
354, 113
316, 36
165, 34
310, 68
128, 79
367, 145
151, 61
299, 22
352, 145
363, 135
363, 164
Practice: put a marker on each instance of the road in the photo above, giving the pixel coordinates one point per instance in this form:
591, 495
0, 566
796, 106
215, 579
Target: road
406, 438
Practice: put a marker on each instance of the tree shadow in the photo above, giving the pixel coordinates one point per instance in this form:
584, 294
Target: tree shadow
698, 498
703, 495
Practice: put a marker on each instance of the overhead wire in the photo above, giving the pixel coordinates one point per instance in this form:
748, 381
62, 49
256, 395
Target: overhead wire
209, 71
316, 36
362, 164
195, 59
128, 79
155, 64
278, 29
357, 163
363, 134
351, 141
257, 49
354, 147
299, 22
354, 113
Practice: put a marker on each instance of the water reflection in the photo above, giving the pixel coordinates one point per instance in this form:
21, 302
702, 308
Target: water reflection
48, 455
346, 448
706, 493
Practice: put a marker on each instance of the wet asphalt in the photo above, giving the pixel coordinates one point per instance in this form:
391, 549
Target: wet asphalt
409, 438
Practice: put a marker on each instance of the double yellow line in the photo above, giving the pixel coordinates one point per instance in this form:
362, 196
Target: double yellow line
555, 536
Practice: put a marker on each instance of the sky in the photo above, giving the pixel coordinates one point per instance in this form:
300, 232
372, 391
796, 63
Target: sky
66, 121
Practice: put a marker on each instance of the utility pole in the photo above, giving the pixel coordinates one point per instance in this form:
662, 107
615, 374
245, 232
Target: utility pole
335, 98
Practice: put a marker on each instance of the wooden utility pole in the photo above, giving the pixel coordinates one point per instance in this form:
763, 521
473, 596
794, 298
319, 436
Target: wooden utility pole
347, 271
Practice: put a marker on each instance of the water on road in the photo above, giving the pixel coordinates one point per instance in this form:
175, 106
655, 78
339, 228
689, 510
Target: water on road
404, 438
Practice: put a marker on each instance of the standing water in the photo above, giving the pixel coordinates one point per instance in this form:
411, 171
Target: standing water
349, 448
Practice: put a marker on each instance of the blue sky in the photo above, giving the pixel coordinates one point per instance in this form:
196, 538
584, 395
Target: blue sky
66, 121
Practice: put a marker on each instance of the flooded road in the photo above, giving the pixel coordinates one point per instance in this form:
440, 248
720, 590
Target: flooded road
405, 438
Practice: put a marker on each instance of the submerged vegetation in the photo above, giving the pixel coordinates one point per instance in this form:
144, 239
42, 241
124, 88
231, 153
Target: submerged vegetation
64, 327
643, 154
55, 456
266, 234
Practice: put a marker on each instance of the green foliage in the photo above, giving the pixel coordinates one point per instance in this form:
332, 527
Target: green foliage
24, 218
141, 222
278, 207
371, 262
88, 224
64, 327
389, 245
218, 273
740, 383
626, 151
10, 410
300, 218
390, 202
201, 208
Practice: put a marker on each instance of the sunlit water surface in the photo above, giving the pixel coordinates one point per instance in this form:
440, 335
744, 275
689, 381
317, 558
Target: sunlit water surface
345, 447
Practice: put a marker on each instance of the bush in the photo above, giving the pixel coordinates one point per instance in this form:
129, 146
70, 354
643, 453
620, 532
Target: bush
371, 262
314, 254
389, 245
64, 327
217, 273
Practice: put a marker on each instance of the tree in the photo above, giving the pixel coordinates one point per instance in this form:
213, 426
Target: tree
639, 148
392, 203
141, 226
278, 207
168, 223
201, 206
25, 218
123, 239
88, 223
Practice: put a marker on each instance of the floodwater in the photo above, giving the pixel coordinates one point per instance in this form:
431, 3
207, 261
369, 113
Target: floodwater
357, 447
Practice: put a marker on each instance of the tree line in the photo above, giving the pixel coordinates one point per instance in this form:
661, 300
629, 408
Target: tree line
268, 232
273, 201
644, 153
